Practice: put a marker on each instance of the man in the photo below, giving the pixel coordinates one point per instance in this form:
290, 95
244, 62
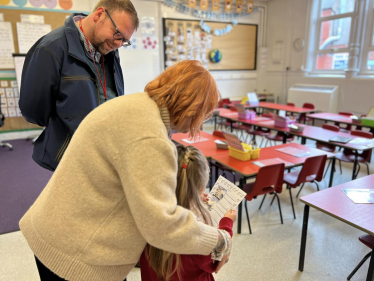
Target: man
72, 70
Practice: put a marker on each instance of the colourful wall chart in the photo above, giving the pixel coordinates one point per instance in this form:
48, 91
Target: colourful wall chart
75, 5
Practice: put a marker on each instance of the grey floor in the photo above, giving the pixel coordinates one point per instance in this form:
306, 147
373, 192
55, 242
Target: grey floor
270, 253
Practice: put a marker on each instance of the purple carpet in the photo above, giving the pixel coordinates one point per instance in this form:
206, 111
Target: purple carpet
21, 182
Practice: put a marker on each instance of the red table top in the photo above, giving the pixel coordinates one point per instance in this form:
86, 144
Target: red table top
276, 106
337, 204
246, 168
207, 148
335, 118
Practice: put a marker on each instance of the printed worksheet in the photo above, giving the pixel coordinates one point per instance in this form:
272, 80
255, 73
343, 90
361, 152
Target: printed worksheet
224, 196
201, 139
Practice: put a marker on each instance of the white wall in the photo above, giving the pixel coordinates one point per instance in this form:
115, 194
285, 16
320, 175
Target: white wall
287, 20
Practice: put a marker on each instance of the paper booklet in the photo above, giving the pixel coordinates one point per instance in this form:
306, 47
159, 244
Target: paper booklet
293, 151
362, 196
194, 140
224, 196
272, 161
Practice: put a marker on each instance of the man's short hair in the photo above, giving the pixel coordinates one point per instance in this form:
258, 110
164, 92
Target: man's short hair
122, 6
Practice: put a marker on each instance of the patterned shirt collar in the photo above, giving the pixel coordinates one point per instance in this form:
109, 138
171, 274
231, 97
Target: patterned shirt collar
96, 54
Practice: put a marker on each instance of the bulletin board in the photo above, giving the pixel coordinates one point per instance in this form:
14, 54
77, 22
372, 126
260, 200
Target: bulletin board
9, 94
238, 47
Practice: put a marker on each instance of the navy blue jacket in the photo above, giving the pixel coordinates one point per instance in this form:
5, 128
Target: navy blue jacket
59, 89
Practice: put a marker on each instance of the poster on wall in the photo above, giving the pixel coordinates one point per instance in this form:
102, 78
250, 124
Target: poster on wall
73, 5
228, 5
239, 6
148, 26
249, 7
192, 3
215, 5
204, 4
149, 43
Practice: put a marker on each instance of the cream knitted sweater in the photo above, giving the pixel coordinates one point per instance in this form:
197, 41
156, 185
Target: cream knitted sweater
113, 192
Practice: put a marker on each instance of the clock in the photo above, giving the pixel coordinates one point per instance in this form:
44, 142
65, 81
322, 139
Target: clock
298, 44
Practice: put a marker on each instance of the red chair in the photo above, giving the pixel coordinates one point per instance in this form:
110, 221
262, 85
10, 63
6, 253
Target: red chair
269, 180
327, 146
303, 118
278, 137
348, 127
312, 171
348, 155
368, 240
223, 102
260, 131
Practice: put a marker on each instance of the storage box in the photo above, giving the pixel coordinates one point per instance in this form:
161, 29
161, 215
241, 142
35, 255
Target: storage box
255, 153
241, 155
222, 145
248, 114
283, 121
296, 129
367, 121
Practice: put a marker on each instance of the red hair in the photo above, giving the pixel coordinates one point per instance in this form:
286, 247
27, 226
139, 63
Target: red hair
188, 91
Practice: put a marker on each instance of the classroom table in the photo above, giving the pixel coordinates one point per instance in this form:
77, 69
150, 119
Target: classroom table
310, 132
249, 170
333, 117
334, 202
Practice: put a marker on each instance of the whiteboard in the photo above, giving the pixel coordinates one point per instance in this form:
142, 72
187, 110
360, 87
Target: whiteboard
18, 62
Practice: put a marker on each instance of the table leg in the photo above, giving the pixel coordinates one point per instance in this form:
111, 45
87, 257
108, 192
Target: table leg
371, 268
215, 122
355, 166
313, 122
332, 171
303, 238
284, 137
231, 126
303, 140
241, 182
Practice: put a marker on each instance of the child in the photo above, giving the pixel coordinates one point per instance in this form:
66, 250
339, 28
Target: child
192, 178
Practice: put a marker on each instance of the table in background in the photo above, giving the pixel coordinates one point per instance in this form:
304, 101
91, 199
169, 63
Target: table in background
334, 202
249, 170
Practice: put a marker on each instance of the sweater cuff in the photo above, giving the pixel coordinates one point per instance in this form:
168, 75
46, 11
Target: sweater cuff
208, 240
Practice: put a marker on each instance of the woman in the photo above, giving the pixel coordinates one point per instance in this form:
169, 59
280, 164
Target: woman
114, 190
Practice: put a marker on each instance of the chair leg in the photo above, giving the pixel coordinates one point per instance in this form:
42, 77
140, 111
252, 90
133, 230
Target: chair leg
358, 170
279, 206
271, 203
293, 208
358, 266
316, 185
263, 199
266, 142
367, 166
261, 141
300, 190
327, 168
246, 211
340, 165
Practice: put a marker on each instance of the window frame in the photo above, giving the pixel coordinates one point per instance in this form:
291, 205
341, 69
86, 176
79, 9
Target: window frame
368, 38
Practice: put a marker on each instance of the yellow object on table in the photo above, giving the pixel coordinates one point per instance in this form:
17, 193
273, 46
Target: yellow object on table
241, 155
255, 153
244, 100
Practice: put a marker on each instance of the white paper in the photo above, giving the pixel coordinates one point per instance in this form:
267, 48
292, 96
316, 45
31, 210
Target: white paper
148, 26
9, 92
3, 102
13, 84
2, 91
4, 83
4, 111
18, 61
360, 196
19, 113
194, 140
1, 17
12, 112
32, 19
29, 33
224, 196
11, 102
6, 45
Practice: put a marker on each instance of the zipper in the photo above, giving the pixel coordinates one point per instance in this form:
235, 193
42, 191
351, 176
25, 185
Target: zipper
76, 78
63, 148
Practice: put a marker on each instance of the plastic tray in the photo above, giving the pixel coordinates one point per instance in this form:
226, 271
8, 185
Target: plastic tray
241, 155
247, 115
222, 146
255, 153
283, 123
299, 129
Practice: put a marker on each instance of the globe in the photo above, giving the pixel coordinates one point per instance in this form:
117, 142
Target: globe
215, 56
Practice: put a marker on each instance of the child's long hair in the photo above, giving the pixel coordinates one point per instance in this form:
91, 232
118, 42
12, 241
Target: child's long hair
192, 178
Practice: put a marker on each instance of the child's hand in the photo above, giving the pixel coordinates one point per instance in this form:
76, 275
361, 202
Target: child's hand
204, 197
231, 214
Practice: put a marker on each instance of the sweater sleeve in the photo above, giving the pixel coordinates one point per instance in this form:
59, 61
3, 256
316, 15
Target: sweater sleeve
206, 262
148, 172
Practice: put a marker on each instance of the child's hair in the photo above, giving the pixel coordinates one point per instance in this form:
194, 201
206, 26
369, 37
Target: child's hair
192, 178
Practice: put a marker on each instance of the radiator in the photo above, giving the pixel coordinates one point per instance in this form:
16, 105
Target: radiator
324, 97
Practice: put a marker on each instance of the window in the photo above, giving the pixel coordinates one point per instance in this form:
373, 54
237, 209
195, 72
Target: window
369, 53
333, 29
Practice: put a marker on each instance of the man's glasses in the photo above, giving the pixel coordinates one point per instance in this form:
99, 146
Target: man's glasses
118, 35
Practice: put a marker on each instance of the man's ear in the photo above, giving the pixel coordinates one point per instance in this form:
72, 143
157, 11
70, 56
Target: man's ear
99, 14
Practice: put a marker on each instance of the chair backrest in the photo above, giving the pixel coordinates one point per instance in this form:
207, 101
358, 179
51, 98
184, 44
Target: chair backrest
330, 127
363, 134
218, 134
237, 101
312, 166
346, 113
269, 179
308, 105
223, 101
267, 115
290, 104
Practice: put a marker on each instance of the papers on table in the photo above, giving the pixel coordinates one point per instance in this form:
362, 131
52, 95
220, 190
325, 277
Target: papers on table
340, 139
363, 141
259, 118
224, 196
29, 33
6, 46
293, 151
194, 140
360, 196
272, 161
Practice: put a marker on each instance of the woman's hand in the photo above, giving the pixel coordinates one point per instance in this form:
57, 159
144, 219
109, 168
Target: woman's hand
231, 214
